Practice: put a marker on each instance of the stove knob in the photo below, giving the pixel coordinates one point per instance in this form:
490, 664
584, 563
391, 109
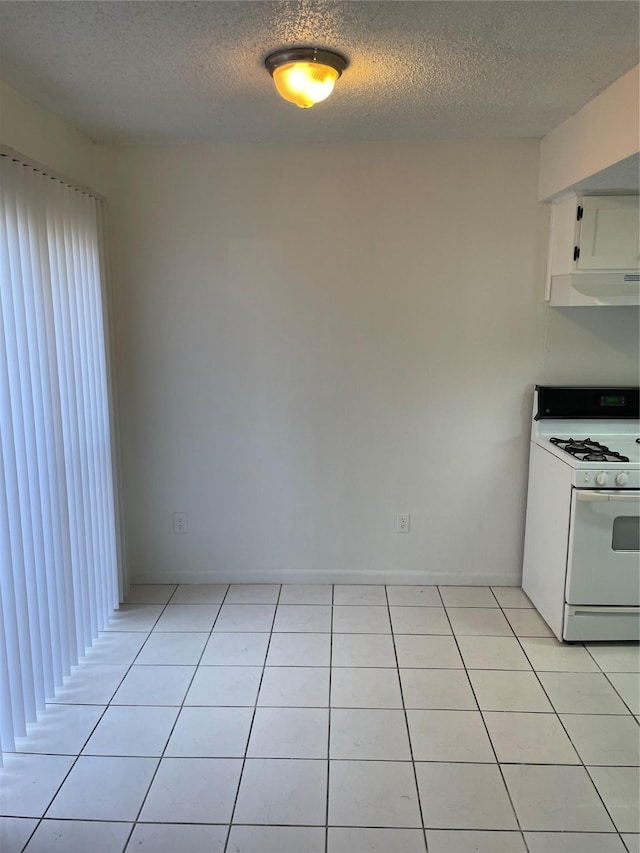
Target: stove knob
601, 479
621, 479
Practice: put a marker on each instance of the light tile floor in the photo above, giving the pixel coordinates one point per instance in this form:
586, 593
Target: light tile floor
314, 719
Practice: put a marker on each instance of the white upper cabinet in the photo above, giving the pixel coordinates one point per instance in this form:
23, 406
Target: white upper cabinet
594, 251
609, 233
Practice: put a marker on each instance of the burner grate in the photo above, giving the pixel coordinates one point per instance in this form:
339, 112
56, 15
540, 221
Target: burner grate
588, 450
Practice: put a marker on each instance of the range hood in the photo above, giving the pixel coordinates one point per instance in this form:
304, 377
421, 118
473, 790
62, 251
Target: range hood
595, 288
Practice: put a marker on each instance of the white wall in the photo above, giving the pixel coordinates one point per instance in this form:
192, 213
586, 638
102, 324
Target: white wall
311, 339
45, 138
605, 131
291, 323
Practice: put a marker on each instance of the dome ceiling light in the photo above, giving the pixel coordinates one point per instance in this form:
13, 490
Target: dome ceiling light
305, 75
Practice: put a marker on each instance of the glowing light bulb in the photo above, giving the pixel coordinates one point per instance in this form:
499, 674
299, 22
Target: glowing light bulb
305, 75
305, 83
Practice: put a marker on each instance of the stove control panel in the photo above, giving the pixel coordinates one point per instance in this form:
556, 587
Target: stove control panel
611, 479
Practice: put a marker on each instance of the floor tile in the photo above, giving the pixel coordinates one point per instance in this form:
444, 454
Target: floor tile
464, 796
210, 733
502, 690
193, 790
150, 593
90, 684
574, 842
224, 685
549, 655
437, 689
359, 594
621, 657
632, 842
361, 620
511, 596
61, 729
306, 594
427, 652
236, 649
14, 832
276, 839
449, 736
115, 647
581, 693
468, 841
363, 650
475, 621
619, 788
134, 617
522, 738
373, 793
369, 734
555, 799
126, 730
154, 685
99, 788
79, 836
628, 686
245, 617
604, 740
200, 593
282, 791
303, 618
30, 781
419, 620
187, 617
290, 733
527, 623
173, 648
174, 837
365, 687
414, 596
351, 839
467, 596
253, 593
492, 653
299, 650
295, 686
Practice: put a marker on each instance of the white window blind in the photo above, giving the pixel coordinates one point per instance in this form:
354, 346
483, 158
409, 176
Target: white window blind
58, 551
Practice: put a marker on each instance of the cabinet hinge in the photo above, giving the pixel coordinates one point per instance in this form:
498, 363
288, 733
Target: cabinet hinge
576, 253
580, 212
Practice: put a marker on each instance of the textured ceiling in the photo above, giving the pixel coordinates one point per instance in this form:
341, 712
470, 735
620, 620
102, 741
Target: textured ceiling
192, 71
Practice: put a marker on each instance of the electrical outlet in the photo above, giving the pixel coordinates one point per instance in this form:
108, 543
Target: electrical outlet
403, 522
179, 522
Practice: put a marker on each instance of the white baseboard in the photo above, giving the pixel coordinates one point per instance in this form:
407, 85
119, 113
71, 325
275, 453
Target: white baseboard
401, 578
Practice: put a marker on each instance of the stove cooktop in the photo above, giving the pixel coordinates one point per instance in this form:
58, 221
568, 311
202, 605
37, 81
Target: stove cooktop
589, 450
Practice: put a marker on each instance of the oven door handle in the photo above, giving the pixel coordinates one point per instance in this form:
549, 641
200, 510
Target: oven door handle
592, 495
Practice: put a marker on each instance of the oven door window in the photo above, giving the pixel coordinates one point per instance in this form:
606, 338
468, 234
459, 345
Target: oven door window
602, 559
626, 533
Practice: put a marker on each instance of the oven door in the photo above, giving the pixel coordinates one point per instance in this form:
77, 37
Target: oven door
604, 548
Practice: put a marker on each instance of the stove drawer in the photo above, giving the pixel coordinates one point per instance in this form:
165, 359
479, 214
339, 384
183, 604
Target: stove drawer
603, 563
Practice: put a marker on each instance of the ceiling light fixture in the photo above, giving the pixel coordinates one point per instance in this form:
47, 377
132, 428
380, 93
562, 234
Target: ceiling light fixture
305, 75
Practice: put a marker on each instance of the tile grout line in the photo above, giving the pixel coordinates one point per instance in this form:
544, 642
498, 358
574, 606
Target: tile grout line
329, 710
77, 757
557, 715
504, 781
406, 720
253, 717
180, 708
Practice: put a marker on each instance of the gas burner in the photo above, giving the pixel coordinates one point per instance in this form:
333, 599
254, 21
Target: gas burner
588, 450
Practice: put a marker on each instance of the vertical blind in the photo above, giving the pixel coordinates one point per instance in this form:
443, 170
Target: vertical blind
58, 550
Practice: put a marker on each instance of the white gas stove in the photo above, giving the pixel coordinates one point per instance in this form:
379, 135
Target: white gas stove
582, 541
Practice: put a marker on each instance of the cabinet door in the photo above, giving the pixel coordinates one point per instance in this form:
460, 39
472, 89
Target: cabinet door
609, 233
